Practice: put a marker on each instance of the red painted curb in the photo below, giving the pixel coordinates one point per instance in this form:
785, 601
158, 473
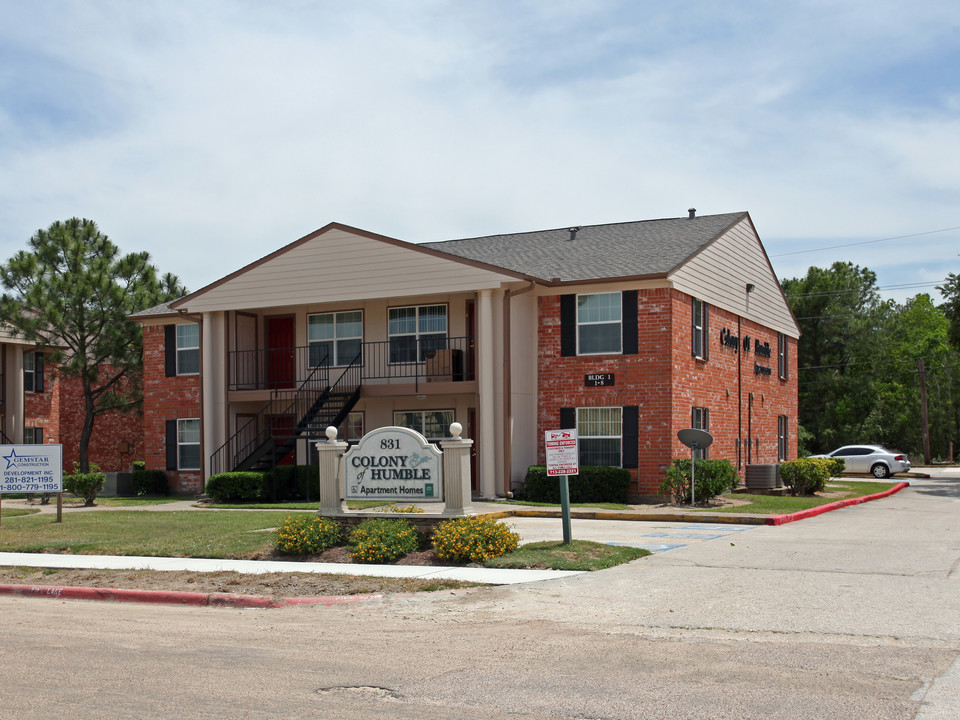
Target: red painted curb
820, 509
167, 597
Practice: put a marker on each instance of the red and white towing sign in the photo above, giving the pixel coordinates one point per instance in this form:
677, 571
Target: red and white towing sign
563, 456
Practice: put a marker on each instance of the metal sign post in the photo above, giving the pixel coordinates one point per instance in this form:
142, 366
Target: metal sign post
695, 439
563, 460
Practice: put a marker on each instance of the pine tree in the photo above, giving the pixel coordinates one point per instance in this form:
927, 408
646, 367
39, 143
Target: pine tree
71, 293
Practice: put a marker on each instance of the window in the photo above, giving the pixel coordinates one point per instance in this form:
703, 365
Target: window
783, 425
188, 349
599, 323
600, 433
434, 425
413, 331
188, 444
699, 330
782, 355
700, 419
32, 436
33, 372
335, 338
352, 427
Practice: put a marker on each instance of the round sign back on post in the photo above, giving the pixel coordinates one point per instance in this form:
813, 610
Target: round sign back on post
695, 439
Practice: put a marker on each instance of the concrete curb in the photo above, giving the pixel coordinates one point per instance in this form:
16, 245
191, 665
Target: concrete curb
820, 509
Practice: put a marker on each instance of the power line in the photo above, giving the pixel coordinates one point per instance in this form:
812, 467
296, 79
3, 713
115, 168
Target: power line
905, 286
867, 242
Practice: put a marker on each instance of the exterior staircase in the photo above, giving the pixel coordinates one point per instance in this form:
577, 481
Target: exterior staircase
267, 438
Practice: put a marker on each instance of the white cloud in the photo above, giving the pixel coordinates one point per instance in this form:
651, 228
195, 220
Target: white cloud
210, 134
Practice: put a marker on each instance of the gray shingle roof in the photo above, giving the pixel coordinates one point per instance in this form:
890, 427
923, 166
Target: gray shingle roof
161, 309
631, 249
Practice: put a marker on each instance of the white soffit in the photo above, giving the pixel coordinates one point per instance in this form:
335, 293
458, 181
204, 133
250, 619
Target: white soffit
338, 265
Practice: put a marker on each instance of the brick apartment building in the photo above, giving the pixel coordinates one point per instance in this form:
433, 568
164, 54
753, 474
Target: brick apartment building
40, 406
628, 332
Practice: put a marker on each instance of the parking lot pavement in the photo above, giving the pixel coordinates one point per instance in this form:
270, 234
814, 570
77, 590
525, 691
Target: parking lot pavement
649, 535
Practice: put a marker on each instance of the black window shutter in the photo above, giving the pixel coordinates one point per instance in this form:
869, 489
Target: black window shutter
706, 331
694, 350
629, 321
170, 350
568, 418
38, 372
38, 436
568, 325
631, 436
171, 441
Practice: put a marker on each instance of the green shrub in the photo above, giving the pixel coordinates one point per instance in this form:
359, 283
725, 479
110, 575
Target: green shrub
713, 477
294, 482
86, 485
383, 540
234, 487
306, 534
593, 485
148, 482
473, 539
807, 476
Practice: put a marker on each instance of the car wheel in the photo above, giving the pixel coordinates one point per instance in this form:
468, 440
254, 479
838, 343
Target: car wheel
880, 471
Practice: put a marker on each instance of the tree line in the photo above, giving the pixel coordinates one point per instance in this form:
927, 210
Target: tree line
873, 370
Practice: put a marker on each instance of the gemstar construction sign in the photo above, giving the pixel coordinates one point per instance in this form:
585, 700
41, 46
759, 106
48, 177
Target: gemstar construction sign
31, 468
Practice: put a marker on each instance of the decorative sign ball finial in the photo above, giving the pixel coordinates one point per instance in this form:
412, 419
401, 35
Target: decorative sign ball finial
455, 429
331, 433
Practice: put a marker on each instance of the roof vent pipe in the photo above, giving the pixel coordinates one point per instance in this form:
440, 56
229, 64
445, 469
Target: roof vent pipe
573, 232
693, 213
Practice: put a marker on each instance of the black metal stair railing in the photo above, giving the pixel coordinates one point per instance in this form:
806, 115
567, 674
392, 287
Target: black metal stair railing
271, 434
311, 411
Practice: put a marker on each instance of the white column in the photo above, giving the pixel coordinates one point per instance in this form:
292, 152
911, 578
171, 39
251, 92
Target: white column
487, 466
330, 452
214, 401
456, 473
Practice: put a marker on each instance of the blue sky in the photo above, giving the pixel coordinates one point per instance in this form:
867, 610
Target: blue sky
211, 133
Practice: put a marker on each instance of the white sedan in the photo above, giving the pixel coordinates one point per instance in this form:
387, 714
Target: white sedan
873, 459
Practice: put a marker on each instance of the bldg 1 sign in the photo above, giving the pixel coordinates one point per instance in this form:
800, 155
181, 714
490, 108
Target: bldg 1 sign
393, 463
31, 468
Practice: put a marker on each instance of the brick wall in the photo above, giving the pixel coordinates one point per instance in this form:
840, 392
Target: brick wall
59, 411
166, 399
665, 382
117, 438
42, 409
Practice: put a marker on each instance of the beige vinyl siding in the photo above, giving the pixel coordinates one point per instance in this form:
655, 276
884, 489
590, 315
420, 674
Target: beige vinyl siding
340, 266
720, 273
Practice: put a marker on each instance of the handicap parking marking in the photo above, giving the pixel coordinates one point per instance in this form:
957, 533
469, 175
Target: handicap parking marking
685, 536
652, 547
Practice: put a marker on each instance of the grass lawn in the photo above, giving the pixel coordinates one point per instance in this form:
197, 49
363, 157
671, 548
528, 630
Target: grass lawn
351, 505
578, 555
600, 506
15, 512
122, 501
784, 505
162, 534
226, 534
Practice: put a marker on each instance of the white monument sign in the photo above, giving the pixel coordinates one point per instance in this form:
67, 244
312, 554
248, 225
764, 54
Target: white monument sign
31, 468
393, 463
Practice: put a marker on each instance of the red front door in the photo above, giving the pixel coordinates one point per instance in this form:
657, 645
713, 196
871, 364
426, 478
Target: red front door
281, 359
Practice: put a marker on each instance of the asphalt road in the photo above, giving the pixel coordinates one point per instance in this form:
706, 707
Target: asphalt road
852, 614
